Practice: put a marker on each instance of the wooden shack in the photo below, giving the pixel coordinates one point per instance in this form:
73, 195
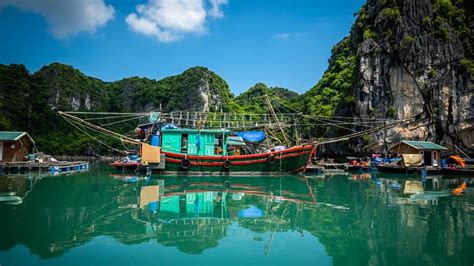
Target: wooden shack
15, 146
430, 152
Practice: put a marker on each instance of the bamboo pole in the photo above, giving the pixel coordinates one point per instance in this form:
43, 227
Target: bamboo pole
98, 128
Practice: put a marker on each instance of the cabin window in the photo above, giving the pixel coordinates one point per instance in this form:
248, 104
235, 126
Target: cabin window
184, 143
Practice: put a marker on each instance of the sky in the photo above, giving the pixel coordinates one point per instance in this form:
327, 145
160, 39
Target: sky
282, 43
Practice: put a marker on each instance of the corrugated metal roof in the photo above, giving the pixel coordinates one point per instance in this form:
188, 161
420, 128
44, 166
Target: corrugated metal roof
13, 135
10, 135
424, 145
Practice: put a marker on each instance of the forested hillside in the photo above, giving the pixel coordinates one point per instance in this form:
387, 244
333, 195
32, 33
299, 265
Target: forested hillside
29, 102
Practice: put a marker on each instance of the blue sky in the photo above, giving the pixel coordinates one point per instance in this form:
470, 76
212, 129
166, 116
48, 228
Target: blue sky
280, 43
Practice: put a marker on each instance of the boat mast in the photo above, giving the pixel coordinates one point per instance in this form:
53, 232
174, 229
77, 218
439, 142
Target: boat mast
269, 103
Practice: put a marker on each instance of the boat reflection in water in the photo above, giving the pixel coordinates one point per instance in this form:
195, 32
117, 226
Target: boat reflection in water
13, 189
193, 213
343, 220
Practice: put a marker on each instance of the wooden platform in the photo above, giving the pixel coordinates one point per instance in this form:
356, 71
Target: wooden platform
54, 168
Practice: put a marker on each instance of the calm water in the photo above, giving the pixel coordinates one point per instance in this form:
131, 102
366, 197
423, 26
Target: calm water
101, 217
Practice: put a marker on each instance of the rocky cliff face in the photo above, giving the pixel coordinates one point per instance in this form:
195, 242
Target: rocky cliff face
414, 58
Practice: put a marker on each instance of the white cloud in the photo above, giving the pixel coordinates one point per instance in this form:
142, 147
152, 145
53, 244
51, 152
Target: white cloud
169, 20
67, 17
216, 10
281, 36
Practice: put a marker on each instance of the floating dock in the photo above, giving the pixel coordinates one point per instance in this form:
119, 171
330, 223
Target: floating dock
54, 168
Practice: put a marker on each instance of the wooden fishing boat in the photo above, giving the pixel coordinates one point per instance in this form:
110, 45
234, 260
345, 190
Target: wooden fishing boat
210, 152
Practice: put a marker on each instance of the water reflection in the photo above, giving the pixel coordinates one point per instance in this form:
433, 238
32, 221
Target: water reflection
14, 189
357, 219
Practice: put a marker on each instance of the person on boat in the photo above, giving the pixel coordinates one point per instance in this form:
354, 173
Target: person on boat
230, 150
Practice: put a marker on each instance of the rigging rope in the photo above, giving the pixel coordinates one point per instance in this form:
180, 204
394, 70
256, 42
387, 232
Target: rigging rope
96, 139
111, 117
121, 121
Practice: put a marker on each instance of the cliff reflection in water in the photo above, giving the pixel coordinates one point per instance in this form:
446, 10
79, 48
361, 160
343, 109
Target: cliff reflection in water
359, 220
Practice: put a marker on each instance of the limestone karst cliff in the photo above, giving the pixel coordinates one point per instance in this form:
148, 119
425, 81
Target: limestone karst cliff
404, 59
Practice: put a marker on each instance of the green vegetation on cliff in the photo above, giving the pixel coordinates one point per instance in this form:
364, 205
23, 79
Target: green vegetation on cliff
30, 102
335, 85
253, 100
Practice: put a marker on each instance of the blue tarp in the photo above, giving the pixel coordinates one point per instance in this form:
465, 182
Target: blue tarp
390, 160
252, 136
251, 212
169, 126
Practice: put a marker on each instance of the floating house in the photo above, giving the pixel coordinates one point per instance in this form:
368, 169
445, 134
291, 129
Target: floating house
15, 146
419, 153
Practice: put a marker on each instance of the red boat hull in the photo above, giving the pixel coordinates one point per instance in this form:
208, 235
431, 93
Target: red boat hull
293, 160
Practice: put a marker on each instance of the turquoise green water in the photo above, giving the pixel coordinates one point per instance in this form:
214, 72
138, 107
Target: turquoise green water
101, 217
